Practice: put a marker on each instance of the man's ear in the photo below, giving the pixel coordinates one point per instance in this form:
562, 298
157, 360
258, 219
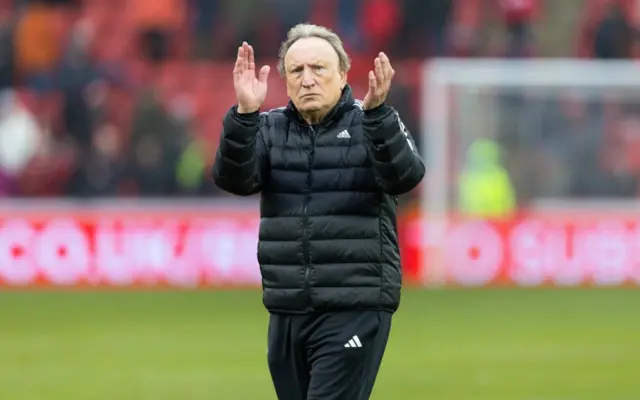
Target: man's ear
343, 80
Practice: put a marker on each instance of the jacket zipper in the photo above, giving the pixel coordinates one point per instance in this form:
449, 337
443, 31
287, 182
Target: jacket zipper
305, 217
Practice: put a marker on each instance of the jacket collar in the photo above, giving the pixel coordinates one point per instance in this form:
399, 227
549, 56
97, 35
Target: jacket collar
345, 103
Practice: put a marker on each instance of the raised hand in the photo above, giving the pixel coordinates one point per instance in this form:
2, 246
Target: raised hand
250, 90
379, 82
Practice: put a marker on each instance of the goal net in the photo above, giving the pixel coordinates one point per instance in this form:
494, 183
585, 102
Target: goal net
507, 139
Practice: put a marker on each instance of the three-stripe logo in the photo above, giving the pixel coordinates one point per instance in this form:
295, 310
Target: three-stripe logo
354, 342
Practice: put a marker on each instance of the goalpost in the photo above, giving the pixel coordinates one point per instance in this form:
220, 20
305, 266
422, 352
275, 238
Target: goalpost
464, 100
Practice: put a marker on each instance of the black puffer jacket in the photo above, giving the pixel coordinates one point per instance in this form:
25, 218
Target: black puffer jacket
328, 237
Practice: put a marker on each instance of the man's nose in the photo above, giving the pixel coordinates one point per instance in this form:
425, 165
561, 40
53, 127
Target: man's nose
307, 78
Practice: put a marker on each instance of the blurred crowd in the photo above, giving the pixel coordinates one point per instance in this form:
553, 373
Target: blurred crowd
125, 97
577, 142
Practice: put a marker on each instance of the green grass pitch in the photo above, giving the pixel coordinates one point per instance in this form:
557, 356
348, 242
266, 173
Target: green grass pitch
445, 344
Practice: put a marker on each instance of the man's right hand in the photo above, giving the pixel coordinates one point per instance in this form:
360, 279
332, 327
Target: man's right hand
250, 90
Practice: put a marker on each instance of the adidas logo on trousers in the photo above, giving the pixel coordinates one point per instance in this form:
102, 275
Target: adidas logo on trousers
354, 342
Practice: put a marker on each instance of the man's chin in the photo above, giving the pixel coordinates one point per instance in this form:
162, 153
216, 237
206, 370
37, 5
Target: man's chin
310, 106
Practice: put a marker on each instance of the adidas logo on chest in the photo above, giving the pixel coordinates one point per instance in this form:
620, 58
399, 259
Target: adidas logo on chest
344, 135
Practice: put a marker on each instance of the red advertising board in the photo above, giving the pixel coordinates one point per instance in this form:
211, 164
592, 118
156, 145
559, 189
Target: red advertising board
124, 247
538, 249
139, 246
216, 247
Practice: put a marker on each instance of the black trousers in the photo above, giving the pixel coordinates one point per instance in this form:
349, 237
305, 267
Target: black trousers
330, 356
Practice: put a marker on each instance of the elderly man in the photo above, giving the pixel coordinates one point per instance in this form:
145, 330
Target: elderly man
329, 169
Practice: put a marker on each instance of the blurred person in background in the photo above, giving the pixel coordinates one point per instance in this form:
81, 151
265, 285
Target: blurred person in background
289, 13
484, 186
101, 167
245, 24
153, 177
329, 169
429, 22
614, 35
20, 140
517, 16
438, 17
7, 58
380, 19
190, 170
204, 18
157, 22
37, 45
190, 150
349, 12
606, 170
76, 73
609, 176
157, 141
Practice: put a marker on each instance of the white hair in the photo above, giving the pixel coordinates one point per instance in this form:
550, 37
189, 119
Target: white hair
303, 31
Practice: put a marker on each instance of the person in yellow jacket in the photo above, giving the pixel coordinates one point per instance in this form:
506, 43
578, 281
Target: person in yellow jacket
484, 186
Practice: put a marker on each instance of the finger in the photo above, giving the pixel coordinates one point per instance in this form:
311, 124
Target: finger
378, 70
252, 59
245, 47
373, 84
386, 66
239, 67
263, 77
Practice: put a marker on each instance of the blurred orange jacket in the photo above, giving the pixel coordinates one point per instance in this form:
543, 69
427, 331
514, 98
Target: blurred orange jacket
37, 44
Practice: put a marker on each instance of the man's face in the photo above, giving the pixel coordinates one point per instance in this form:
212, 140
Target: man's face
314, 80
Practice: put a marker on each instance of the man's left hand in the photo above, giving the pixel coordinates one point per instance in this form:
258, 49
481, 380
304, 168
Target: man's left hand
379, 82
